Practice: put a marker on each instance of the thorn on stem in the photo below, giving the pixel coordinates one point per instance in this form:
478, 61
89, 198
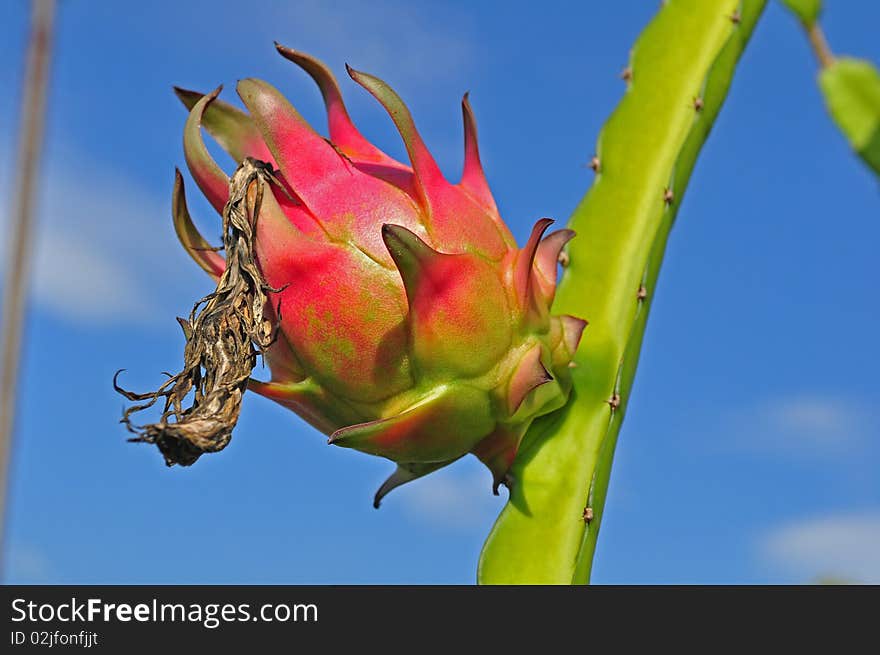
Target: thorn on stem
563, 259
736, 17
698, 104
626, 74
668, 196
642, 294
588, 514
614, 401
594, 163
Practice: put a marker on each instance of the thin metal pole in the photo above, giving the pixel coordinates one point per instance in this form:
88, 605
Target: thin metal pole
18, 255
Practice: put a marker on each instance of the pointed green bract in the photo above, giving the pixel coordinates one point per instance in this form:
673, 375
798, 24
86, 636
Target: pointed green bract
190, 238
440, 428
232, 128
681, 68
208, 175
852, 92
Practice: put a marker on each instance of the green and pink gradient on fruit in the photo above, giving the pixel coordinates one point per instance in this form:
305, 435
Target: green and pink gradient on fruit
411, 326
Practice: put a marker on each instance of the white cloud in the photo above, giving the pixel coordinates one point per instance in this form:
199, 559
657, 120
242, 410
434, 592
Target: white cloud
453, 499
101, 252
390, 38
845, 546
809, 425
74, 281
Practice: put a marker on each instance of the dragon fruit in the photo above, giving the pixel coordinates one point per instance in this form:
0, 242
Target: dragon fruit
410, 326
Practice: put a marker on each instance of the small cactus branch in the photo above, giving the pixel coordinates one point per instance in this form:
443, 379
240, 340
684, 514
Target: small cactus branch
852, 94
681, 68
225, 332
851, 87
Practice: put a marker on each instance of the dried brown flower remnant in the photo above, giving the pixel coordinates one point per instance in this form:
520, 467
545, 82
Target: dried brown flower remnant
225, 332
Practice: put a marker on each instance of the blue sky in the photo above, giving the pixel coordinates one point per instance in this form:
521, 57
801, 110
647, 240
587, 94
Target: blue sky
752, 443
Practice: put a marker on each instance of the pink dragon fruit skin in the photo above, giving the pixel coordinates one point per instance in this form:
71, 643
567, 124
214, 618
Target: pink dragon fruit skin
411, 325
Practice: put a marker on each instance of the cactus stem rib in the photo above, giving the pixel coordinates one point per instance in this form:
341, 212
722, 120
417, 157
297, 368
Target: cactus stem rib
691, 45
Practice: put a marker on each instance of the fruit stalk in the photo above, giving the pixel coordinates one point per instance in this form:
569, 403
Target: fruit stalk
678, 77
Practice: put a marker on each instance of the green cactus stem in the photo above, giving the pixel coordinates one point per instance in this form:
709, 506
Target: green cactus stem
680, 71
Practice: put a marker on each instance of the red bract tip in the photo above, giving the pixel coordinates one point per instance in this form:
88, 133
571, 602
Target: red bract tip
211, 179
